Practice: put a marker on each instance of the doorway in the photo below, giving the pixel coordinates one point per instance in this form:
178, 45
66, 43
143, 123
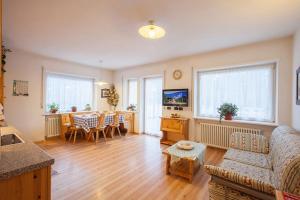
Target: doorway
152, 105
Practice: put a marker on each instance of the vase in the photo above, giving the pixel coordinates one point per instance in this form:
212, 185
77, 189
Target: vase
53, 111
74, 109
228, 116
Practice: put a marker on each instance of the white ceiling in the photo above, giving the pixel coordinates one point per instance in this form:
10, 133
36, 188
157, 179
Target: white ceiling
85, 31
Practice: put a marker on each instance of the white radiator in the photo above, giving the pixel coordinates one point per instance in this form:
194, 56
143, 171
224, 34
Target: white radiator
218, 135
52, 126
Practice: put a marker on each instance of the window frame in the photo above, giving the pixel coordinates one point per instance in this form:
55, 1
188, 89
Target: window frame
44, 95
196, 82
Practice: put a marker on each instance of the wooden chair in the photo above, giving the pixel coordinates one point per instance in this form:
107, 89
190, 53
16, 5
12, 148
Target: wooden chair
73, 129
100, 127
115, 125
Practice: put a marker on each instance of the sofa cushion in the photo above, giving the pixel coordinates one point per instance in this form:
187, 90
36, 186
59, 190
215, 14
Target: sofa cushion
247, 157
256, 173
278, 133
254, 177
249, 142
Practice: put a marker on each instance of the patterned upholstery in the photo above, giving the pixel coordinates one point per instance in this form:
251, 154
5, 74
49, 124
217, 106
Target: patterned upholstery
249, 158
249, 142
285, 158
244, 165
222, 192
247, 175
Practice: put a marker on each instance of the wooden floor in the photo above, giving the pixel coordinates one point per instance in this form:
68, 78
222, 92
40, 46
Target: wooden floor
131, 167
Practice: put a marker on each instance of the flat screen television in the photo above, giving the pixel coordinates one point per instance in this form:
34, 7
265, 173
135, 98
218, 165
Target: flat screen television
175, 97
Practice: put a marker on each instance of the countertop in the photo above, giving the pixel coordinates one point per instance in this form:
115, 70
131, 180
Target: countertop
17, 159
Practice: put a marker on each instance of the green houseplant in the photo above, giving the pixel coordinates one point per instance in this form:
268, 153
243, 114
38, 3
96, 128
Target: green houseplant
227, 111
53, 107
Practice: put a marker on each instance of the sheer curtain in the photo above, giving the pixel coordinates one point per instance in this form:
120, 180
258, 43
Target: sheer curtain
132, 92
153, 105
68, 91
250, 88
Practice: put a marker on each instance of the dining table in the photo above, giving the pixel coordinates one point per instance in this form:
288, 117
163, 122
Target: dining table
87, 122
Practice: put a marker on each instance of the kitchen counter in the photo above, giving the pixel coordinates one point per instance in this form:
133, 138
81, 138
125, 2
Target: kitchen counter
20, 158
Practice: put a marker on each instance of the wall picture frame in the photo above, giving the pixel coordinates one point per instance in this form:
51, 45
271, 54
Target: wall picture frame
20, 88
105, 93
298, 86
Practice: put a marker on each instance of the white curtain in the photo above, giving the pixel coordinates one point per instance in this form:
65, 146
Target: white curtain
153, 105
132, 92
250, 88
68, 91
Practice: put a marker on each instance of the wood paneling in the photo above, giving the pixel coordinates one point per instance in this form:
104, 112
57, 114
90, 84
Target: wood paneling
130, 167
174, 129
29, 186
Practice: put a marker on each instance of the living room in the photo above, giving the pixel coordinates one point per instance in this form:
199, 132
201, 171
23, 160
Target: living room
150, 100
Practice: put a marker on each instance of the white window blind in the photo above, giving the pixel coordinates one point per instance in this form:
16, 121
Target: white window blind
68, 91
132, 92
251, 88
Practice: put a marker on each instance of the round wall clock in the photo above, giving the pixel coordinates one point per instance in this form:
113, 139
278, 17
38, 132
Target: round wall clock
177, 74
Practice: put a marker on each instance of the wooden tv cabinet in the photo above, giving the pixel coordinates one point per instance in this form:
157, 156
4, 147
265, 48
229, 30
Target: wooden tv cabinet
174, 129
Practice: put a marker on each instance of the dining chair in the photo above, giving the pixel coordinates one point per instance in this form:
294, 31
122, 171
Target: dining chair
115, 125
74, 129
101, 127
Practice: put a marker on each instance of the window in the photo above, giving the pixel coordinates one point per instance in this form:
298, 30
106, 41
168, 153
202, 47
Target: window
251, 88
132, 92
68, 91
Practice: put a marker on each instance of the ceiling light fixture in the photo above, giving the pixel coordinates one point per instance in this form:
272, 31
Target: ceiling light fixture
152, 31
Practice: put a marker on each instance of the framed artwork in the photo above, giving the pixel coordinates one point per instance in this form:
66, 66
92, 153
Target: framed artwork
105, 93
20, 88
298, 87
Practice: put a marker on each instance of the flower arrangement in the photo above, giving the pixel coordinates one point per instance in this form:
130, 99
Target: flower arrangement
113, 98
227, 110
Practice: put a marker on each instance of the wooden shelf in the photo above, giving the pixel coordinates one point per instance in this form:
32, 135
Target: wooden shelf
171, 130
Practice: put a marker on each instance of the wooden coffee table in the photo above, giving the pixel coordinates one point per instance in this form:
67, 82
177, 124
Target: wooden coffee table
185, 163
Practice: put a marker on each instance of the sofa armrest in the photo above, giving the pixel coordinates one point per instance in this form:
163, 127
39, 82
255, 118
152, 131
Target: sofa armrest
239, 179
249, 142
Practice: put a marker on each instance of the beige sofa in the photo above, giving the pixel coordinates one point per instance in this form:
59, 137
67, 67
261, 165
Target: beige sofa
253, 168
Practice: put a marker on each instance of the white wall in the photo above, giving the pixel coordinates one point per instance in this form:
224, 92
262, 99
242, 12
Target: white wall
296, 108
279, 50
26, 113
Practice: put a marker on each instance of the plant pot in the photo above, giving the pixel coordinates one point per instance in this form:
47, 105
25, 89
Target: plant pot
74, 109
53, 111
228, 116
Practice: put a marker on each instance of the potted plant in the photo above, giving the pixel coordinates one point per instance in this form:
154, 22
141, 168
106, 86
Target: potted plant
227, 111
131, 107
53, 107
88, 107
74, 109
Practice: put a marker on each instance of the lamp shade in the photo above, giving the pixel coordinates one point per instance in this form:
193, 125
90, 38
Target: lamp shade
152, 31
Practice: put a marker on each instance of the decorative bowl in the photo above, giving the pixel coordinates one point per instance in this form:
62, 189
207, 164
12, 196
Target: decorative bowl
185, 145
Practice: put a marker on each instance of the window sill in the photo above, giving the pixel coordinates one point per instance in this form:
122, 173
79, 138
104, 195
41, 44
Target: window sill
61, 113
238, 121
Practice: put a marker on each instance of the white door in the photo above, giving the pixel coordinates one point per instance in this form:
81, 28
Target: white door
153, 105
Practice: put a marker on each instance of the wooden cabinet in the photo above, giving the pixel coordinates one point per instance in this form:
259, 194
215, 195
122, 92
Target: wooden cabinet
174, 129
28, 186
129, 120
